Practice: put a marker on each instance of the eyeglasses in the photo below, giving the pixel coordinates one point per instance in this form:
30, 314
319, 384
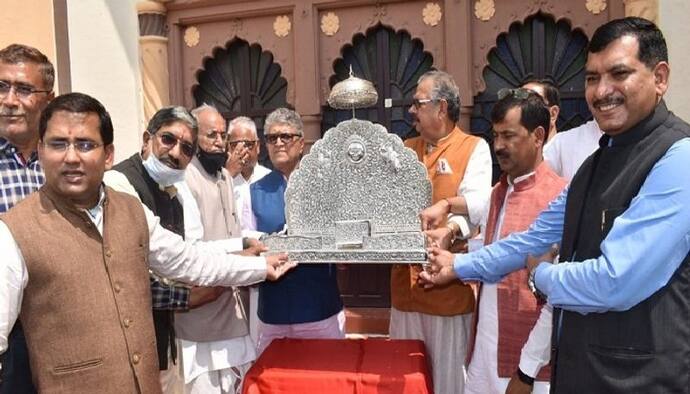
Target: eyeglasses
22, 91
215, 134
518, 93
418, 103
61, 146
285, 138
170, 141
249, 144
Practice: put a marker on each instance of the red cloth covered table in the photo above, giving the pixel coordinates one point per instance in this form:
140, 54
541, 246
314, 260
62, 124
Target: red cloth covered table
334, 366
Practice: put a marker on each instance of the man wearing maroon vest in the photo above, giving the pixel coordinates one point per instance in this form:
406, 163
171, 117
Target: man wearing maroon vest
459, 166
513, 332
76, 256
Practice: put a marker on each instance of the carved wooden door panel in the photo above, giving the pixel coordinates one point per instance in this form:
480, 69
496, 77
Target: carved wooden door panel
242, 80
540, 47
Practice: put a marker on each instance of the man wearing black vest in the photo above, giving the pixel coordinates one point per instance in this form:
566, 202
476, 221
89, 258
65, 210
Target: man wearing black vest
155, 175
621, 293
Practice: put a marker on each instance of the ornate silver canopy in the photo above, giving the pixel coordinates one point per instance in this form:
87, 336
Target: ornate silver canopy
353, 93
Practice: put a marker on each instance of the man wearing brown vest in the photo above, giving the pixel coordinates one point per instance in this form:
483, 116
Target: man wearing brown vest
459, 166
86, 308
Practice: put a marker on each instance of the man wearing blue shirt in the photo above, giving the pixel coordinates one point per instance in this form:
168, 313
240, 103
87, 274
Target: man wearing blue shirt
621, 291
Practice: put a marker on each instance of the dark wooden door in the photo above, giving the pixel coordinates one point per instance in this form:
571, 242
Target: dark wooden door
242, 80
393, 61
540, 47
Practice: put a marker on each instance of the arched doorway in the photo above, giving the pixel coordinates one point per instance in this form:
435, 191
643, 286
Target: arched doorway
539, 47
393, 61
242, 80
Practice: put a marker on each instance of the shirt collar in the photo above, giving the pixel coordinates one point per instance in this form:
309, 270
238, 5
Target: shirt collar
7, 148
521, 178
97, 210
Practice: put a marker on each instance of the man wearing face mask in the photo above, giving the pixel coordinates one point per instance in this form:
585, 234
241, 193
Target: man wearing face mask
216, 348
155, 175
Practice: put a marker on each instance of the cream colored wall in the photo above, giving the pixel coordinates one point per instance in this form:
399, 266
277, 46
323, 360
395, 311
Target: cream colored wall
673, 21
104, 63
28, 22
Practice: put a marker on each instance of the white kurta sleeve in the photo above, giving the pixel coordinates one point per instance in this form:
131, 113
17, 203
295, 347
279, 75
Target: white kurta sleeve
13, 280
202, 263
476, 188
537, 350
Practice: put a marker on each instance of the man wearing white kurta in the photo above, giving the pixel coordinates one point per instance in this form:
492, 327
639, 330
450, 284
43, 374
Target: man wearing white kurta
568, 149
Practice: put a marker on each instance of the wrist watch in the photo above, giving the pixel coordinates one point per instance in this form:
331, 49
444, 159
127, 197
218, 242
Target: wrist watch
532, 286
524, 378
454, 230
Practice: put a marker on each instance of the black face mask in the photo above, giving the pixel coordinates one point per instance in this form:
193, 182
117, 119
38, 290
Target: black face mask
212, 162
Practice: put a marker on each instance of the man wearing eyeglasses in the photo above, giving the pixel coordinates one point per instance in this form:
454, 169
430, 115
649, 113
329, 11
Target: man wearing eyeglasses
306, 303
243, 148
459, 166
83, 287
156, 176
216, 348
620, 290
26, 87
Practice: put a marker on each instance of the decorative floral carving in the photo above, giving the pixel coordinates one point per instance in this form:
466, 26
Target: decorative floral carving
380, 11
431, 14
191, 36
235, 25
595, 6
282, 26
484, 9
330, 24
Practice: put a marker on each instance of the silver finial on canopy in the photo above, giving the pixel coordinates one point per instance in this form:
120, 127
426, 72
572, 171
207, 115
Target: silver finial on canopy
353, 93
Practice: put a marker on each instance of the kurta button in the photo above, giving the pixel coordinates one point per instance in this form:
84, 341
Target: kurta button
108, 253
127, 322
117, 287
136, 357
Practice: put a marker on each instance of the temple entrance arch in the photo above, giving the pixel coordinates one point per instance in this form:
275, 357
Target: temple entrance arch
539, 47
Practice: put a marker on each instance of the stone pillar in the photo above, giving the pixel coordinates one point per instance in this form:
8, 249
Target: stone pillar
153, 56
648, 9
306, 74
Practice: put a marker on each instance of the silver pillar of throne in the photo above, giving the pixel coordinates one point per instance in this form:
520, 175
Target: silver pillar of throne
355, 198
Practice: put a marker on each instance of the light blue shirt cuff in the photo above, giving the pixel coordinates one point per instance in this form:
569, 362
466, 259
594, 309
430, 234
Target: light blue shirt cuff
542, 273
464, 267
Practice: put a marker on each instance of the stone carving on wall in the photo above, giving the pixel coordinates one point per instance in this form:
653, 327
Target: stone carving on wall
355, 198
595, 6
191, 36
379, 13
282, 26
484, 9
330, 24
431, 14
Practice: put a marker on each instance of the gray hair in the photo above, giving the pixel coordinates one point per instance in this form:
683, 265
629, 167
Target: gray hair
444, 89
203, 107
167, 115
244, 122
284, 116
